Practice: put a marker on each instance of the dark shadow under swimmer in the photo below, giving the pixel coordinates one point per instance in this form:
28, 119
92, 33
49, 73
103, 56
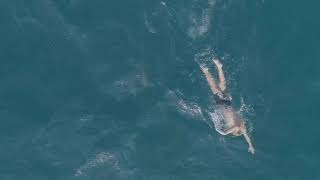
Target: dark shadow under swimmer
233, 122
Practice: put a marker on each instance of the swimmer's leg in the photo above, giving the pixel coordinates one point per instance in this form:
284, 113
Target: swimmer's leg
213, 86
222, 78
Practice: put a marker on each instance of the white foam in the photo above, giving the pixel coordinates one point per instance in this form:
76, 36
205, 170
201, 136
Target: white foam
150, 27
101, 159
218, 121
86, 118
191, 109
246, 109
201, 25
205, 56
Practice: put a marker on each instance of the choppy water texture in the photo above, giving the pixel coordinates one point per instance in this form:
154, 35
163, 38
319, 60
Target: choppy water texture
113, 90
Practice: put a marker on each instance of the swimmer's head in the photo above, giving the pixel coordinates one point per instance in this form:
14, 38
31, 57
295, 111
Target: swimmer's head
238, 132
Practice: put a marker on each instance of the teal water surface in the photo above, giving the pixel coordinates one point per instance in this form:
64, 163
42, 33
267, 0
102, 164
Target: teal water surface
99, 89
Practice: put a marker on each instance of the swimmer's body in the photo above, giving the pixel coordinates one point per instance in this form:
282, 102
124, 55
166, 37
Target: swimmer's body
234, 122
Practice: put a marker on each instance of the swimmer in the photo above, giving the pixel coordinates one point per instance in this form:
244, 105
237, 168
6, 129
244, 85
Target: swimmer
234, 123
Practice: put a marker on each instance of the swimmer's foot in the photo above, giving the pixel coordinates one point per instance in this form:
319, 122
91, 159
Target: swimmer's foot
204, 67
217, 63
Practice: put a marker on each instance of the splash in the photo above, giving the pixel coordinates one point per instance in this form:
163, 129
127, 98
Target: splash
246, 110
189, 109
205, 56
218, 121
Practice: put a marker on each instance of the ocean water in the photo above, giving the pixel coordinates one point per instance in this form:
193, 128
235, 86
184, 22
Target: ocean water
94, 90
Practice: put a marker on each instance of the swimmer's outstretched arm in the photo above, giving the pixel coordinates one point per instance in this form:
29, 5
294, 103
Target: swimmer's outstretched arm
251, 149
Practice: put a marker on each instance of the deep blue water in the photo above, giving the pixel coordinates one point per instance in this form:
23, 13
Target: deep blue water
99, 89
